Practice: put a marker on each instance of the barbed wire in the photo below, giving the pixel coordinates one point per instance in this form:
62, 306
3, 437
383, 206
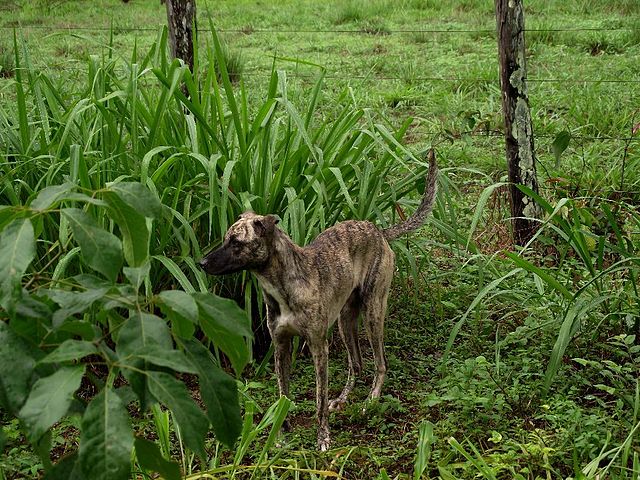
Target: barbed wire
408, 78
337, 75
260, 72
364, 30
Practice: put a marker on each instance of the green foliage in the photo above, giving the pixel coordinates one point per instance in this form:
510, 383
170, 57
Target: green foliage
101, 237
112, 180
150, 458
107, 439
98, 313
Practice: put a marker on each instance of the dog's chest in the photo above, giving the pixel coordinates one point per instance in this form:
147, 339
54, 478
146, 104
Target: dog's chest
284, 318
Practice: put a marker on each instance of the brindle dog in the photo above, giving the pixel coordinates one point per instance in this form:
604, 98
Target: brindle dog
345, 271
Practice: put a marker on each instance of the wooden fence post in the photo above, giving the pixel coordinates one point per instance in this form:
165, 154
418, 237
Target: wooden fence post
181, 16
517, 117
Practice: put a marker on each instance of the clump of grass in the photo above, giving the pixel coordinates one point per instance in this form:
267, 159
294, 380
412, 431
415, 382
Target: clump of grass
598, 43
401, 97
376, 27
234, 63
359, 10
350, 12
422, 4
633, 37
421, 37
541, 34
7, 62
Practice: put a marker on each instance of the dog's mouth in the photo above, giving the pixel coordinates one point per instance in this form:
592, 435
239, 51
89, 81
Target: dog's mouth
219, 262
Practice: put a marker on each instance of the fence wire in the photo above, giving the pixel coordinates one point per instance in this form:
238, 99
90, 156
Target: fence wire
345, 75
352, 31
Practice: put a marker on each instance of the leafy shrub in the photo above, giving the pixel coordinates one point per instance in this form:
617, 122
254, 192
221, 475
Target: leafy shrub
98, 327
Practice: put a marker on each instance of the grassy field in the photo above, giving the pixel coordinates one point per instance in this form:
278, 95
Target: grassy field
502, 363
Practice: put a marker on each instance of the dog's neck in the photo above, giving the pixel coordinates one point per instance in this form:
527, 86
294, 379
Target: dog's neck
285, 264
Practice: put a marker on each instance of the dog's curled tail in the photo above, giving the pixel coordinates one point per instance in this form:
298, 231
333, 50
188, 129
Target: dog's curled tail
418, 218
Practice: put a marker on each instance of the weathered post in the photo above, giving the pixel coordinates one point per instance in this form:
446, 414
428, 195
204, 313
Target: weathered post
181, 16
517, 117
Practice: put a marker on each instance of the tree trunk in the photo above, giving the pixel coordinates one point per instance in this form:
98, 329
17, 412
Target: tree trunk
181, 16
517, 117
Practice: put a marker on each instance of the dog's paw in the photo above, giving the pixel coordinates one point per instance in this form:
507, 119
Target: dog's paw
324, 445
324, 441
336, 404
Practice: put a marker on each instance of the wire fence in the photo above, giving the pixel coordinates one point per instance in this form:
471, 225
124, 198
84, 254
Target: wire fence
356, 76
359, 31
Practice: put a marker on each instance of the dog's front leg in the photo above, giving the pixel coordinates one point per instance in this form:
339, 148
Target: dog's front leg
320, 351
282, 354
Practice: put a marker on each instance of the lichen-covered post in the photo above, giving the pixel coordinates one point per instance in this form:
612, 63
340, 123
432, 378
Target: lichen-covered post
517, 117
181, 15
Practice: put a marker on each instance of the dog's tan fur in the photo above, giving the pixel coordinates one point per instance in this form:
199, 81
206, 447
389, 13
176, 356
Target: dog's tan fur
345, 271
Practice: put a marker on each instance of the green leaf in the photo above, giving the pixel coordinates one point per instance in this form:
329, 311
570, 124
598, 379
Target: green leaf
49, 196
489, 288
570, 324
181, 309
133, 226
49, 400
17, 250
226, 325
67, 468
74, 302
16, 368
106, 438
101, 250
163, 357
219, 392
178, 274
136, 275
150, 458
544, 276
139, 332
480, 209
229, 315
139, 197
192, 422
70, 350
560, 144
84, 329
426, 439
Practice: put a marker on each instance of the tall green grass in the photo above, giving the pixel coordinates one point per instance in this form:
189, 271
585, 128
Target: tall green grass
209, 155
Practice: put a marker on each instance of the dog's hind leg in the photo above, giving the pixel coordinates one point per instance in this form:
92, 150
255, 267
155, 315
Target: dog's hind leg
374, 313
374, 306
348, 327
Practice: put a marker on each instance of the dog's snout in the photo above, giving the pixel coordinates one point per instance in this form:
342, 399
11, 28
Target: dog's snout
202, 263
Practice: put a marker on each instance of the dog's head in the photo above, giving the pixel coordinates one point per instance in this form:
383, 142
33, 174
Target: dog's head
247, 246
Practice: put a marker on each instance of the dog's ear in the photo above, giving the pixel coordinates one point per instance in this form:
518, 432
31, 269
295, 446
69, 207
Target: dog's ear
265, 225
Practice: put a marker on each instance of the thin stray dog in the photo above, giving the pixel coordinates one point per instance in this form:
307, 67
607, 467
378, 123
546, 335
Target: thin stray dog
346, 270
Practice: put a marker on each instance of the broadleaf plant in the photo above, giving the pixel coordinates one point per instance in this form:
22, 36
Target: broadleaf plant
70, 343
